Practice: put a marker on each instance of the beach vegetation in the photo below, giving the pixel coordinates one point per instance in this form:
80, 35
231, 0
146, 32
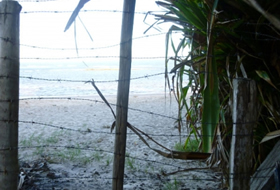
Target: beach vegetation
172, 185
73, 153
84, 160
220, 41
47, 147
69, 154
191, 146
97, 156
55, 137
108, 161
193, 17
28, 142
149, 167
130, 162
39, 151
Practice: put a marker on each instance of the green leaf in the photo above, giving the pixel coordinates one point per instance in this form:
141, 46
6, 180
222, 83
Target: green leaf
187, 12
264, 76
211, 104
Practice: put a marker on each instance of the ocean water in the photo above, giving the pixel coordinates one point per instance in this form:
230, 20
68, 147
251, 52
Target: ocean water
104, 72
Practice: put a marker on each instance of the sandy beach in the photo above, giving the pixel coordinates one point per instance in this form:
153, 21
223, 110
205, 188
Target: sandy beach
66, 143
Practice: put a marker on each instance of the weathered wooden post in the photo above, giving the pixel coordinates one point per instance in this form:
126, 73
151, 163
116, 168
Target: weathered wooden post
244, 117
9, 93
123, 94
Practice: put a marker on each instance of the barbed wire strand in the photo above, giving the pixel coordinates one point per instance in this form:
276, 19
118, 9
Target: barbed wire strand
91, 10
109, 133
74, 49
83, 57
86, 81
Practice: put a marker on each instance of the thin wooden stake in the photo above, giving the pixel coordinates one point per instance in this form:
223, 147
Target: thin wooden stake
244, 117
123, 94
9, 93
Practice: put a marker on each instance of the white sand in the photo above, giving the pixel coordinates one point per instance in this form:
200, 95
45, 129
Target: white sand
80, 166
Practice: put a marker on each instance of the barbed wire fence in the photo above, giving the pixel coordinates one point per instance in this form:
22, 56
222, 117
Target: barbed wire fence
44, 136
164, 173
46, 148
90, 131
107, 134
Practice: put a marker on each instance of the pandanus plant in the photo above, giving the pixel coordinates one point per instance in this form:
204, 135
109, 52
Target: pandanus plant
196, 21
226, 39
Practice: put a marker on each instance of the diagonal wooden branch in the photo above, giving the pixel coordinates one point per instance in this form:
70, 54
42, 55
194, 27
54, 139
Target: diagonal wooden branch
172, 154
103, 98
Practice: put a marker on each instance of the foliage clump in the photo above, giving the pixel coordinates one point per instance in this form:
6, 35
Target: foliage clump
226, 40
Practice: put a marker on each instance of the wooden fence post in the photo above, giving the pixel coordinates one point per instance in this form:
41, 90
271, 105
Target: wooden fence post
9, 93
244, 115
123, 94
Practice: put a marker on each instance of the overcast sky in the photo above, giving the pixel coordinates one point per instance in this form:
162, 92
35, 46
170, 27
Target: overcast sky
46, 30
